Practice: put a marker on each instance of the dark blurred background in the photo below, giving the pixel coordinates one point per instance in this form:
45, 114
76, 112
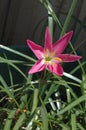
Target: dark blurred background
24, 19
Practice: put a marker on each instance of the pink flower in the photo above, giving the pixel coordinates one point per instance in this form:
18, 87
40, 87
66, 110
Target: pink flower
50, 57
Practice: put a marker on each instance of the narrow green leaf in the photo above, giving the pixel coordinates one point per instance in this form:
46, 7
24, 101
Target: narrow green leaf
19, 121
48, 6
3, 81
64, 126
8, 123
50, 21
5, 88
35, 100
68, 17
16, 52
14, 66
80, 126
73, 121
44, 117
71, 105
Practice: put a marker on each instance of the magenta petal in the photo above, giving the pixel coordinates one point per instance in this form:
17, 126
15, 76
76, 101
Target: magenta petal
56, 69
48, 40
61, 44
37, 49
37, 67
69, 57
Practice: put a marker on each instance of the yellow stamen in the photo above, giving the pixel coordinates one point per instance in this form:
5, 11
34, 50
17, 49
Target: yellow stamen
46, 53
58, 59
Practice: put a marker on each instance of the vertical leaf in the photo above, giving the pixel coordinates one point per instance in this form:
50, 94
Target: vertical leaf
44, 117
73, 121
68, 18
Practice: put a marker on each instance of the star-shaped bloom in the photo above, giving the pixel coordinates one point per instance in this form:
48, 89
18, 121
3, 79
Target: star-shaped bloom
50, 57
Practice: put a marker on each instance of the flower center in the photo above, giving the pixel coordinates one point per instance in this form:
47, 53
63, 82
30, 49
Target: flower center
50, 58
